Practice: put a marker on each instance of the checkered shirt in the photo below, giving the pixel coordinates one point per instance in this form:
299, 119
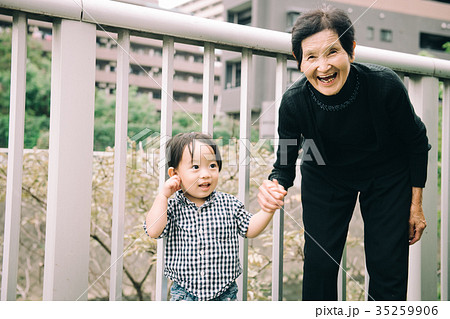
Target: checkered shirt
202, 249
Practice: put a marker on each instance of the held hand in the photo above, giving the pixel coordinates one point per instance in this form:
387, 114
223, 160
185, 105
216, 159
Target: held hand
271, 196
171, 186
417, 223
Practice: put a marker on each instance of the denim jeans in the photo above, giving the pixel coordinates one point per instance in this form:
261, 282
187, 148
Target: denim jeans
178, 293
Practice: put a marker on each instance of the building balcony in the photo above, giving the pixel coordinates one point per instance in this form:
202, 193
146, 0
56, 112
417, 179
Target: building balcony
71, 156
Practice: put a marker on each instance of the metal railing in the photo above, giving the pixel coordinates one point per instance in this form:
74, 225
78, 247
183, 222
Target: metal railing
72, 119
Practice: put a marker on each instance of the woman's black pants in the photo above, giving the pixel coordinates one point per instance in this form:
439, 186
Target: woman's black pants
328, 205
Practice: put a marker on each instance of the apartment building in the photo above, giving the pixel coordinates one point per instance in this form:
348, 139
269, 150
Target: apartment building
408, 26
403, 25
211, 9
145, 64
145, 70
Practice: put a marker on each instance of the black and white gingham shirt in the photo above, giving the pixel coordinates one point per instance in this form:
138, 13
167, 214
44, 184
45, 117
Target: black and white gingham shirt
202, 250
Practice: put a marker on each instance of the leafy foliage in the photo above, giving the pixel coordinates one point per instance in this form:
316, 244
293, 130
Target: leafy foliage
140, 190
446, 47
37, 100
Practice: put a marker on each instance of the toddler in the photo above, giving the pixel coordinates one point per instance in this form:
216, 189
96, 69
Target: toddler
201, 224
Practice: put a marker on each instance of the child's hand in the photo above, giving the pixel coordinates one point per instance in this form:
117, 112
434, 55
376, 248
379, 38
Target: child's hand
171, 186
271, 196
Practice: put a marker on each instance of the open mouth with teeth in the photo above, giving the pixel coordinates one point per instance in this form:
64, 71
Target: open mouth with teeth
205, 186
327, 78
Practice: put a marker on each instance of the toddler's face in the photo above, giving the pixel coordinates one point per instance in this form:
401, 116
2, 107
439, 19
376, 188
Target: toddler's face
199, 175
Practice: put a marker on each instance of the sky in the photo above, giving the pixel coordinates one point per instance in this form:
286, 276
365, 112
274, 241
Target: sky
170, 3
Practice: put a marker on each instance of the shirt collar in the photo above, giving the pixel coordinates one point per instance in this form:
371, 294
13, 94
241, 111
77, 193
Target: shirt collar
181, 198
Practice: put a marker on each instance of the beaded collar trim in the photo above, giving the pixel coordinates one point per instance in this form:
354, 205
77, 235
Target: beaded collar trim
337, 107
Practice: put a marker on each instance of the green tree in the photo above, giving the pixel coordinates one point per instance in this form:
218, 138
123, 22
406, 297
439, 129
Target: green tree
446, 47
142, 115
37, 100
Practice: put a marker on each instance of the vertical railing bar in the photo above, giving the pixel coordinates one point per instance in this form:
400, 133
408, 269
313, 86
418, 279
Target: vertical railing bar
69, 195
244, 161
166, 133
120, 166
208, 89
445, 193
278, 218
15, 157
422, 285
366, 281
342, 277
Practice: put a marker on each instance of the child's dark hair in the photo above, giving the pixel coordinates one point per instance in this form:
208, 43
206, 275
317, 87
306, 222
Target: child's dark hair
175, 147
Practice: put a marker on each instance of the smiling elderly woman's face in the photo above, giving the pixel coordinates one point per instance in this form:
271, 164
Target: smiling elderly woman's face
324, 62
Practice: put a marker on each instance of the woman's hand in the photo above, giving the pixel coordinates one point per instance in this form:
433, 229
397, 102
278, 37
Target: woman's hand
271, 196
417, 222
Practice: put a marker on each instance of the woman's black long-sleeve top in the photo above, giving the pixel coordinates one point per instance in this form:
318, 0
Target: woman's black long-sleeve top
367, 129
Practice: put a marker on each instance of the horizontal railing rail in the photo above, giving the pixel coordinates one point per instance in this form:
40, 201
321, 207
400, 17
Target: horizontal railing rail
72, 108
234, 37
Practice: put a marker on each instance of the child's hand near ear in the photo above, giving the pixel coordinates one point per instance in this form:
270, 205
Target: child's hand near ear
156, 218
171, 186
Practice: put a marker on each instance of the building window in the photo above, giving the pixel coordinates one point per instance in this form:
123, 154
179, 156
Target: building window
198, 58
243, 17
386, 35
181, 76
101, 42
101, 65
152, 51
370, 33
233, 75
433, 41
156, 95
290, 19
180, 97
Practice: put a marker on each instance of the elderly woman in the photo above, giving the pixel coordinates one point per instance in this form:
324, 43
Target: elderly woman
360, 136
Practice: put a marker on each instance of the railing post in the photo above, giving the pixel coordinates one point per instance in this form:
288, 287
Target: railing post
342, 277
445, 193
244, 162
166, 133
208, 89
15, 157
366, 282
422, 283
120, 166
278, 218
70, 161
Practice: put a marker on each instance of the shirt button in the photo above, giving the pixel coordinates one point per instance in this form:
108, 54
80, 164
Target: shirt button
199, 210
200, 230
201, 252
202, 273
